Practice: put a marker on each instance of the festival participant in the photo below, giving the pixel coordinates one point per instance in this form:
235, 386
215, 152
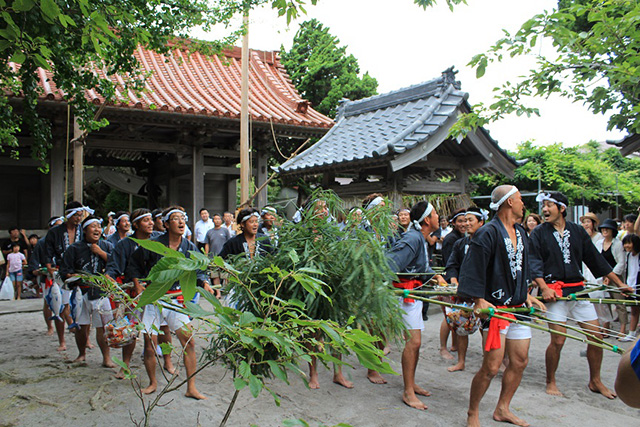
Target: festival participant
628, 377
37, 262
201, 228
408, 255
214, 241
110, 228
631, 243
158, 225
139, 267
459, 223
475, 219
558, 249
267, 226
495, 274
57, 241
89, 256
531, 221
122, 223
404, 219
249, 242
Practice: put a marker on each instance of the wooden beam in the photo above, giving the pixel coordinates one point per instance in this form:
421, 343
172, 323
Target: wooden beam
361, 188
153, 147
78, 163
439, 162
217, 152
225, 170
431, 187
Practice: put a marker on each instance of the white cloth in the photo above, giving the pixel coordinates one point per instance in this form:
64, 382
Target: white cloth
201, 229
617, 250
515, 331
412, 316
187, 231
90, 314
633, 265
580, 311
66, 296
153, 316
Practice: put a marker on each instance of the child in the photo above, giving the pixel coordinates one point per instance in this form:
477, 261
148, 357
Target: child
15, 261
631, 243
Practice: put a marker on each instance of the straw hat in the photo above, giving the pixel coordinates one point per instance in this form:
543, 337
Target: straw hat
591, 216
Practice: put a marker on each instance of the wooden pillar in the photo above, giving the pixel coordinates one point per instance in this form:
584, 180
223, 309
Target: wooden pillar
464, 180
395, 193
78, 163
245, 167
261, 178
197, 183
232, 188
56, 178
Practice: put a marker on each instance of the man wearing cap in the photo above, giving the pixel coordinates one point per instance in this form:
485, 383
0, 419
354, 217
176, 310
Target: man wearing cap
140, 264
57, 241
123, 227
408, 255
89, 256
201, 228
558, 249
495, 274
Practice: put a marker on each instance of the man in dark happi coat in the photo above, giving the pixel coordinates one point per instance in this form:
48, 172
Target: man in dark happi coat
495, 274
558, 249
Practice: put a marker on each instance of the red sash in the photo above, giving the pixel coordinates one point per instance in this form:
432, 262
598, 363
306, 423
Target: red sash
180, 298
408, 284
495, 326
558, 285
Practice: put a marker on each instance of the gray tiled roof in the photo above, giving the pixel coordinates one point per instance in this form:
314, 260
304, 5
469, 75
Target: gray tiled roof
383, 125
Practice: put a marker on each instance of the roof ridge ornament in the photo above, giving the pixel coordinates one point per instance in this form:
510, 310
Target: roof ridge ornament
449, 77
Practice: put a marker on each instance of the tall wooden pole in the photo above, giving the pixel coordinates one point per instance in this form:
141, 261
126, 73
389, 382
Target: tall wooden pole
78, 163
245, 169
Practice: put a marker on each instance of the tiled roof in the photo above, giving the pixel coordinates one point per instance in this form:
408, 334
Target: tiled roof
191, 83
375, 129
627, 145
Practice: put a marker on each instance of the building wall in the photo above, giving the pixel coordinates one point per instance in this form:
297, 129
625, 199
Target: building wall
24, 196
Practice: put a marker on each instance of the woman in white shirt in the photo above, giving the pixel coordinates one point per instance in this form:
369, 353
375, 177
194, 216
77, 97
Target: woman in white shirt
612, 250
631, 243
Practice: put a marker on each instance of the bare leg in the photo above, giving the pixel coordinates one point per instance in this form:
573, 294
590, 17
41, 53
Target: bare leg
444, 335
18, 289
46, 313
165, 338
185, 335
454, 342
66, 315
374, 376
594, 357
463, 344
552, 358
633, 319
481, 381
81, 342
104, 348
59, 324
127, 352
338, 377
89, 345
518, 351
410, 357
150, 344
314, 384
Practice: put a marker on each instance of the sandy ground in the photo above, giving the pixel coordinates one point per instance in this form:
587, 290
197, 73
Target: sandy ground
40, 386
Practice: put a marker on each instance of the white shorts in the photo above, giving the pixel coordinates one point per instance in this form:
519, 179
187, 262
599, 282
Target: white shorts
153, 316
580, 311
515, 331
66, 296
90, 314
412, 316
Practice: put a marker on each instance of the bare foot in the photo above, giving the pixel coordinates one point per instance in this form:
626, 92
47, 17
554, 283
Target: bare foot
90, 346
552, 389
506, 416
151, 389
108, 364
598, 387
50, 331
386, 350
375, 377
473, 420
421, 391
120, 374
314, 384
413, 401
195, 394
444, 353
341, 380
170, 368
79, 359
453, 349
62, 347
457, 367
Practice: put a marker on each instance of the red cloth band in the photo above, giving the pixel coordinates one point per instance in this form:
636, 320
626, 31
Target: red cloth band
408, 284
558, 285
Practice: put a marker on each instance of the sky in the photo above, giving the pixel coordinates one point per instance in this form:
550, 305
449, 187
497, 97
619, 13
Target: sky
400, 44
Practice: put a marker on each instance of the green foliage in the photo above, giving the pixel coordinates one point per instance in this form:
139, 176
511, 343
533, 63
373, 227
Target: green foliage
322, 71
595, 60
583, 173
71, 37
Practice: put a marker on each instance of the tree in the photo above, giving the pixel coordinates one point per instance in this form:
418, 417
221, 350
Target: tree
322, 71
595, 59
568, 169
75, 38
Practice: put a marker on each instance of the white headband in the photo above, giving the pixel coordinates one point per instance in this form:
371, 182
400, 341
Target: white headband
457, 215
426, 213
403, 210
495, 206
167, 217
91, 221
269, 209
246, 217
375, 202
122, 216
112, 213
139, 217
71, 212
483, 214
53, 221
542, 197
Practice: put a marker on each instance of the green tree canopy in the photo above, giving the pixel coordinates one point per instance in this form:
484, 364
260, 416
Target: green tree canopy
584, 174
73, 38
322, 71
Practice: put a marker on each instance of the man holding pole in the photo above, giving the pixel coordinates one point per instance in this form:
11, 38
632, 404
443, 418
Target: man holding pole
558, 249
495, 275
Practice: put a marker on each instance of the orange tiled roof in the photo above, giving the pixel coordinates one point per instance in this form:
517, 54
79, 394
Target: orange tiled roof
191, 83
